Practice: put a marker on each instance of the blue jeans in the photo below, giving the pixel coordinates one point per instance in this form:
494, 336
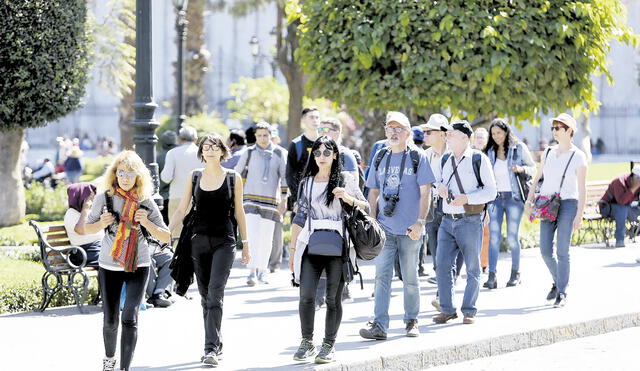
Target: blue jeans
513, 208
408, 251
454, 236
559, 268
622, 213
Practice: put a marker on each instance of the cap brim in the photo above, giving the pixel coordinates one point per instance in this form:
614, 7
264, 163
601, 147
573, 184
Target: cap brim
446, 127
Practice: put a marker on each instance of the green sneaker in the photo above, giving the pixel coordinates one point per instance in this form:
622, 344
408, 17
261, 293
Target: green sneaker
327, 353
305, 351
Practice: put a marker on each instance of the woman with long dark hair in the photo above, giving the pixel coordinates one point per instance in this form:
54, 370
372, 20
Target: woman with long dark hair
564, 169
317, 236
130, 216
213, 243
509, 157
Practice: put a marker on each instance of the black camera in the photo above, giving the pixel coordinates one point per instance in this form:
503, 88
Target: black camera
390, 204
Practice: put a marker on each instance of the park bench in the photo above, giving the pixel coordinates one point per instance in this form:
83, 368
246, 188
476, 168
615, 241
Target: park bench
60, 272
600, 228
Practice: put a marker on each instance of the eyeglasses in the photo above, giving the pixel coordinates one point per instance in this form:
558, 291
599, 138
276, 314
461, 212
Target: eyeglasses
128, 174
210, 147
558, 127
325, 153
326, 130
394, 129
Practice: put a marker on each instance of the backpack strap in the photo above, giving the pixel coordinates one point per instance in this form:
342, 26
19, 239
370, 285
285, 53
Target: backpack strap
298, 147
245, 170
444, 159
476, 161
108, 200
415, 159
195, 180
381, 152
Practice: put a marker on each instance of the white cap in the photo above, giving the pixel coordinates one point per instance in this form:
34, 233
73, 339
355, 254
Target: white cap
436, 121
566, 119
636, 170
399, 117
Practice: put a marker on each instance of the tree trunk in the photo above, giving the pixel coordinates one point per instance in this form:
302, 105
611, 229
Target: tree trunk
196, 61
373, 131
125, 109
585, 136
11, 187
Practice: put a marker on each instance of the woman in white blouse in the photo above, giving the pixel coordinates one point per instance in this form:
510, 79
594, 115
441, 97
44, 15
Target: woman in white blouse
564, 168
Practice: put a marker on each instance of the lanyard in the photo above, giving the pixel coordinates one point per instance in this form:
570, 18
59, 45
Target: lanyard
386, 169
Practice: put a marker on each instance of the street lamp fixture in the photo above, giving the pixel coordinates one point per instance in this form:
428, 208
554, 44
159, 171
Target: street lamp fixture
181, 30
255, 52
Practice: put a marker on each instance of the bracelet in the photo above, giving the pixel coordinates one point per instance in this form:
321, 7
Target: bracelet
245, 241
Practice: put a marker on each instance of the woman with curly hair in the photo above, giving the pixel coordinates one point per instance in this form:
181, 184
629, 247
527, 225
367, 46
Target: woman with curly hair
130, 218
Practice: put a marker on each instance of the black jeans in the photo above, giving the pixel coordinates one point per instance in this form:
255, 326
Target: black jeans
111, 287
212, 261
310, 271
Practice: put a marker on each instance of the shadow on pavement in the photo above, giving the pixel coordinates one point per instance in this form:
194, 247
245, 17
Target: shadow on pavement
58, 312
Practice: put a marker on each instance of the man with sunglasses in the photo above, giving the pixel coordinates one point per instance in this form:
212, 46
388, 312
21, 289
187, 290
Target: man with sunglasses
399, 197
332, 128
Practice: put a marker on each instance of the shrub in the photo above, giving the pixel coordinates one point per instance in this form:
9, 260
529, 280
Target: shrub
95, 167
48, 204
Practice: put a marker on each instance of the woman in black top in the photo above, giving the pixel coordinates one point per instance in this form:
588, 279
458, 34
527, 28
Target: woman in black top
213, 240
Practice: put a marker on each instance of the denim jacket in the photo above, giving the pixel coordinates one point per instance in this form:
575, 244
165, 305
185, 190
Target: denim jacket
522, 158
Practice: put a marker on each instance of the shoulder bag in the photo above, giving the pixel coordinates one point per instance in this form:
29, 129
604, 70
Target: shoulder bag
546, 207
324, 242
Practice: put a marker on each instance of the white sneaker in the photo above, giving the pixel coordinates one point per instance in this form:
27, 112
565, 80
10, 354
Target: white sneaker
108, 364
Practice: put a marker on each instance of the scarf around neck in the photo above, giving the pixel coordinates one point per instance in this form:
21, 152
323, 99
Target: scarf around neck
266, 155
124, 250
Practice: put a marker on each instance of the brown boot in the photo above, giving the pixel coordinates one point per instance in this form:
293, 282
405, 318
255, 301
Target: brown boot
443, 317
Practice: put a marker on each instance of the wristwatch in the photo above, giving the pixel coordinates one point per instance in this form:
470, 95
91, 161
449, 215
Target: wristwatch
422, 221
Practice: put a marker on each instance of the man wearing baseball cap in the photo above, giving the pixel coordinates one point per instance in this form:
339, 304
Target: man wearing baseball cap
399, 194
622, 199
466, 183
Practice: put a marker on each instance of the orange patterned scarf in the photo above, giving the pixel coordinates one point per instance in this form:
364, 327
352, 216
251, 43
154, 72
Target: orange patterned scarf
124, 250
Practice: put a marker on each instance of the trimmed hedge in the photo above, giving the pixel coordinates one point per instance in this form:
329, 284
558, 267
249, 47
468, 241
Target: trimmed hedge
49, 205
43, 60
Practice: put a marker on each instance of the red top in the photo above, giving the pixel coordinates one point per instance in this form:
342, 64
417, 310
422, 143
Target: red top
619, 191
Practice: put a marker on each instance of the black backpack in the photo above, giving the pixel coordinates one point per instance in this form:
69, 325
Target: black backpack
361, 180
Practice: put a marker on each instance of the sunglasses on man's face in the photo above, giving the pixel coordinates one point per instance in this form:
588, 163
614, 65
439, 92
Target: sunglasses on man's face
128, 174
325, 153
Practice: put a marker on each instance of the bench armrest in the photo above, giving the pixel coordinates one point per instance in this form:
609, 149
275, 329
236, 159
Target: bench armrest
66, 251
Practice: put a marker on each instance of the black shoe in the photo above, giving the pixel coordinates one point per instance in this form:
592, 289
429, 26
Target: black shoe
412, 328
422, 273
305, 351
514, 280
491, 283
159, 301
553, 293
561, 300
373, 332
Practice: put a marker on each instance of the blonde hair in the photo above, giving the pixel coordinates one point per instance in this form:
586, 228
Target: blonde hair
132, 162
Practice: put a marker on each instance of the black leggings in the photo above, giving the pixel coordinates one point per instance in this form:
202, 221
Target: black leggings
111, 287
212, 261
310, 271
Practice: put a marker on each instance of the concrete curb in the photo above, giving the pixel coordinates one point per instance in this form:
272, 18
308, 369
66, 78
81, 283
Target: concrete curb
492, 347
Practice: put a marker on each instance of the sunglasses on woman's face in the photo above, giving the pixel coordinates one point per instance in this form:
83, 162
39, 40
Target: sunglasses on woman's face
325, 153
128, 174
558, 127
325, 130
210, 147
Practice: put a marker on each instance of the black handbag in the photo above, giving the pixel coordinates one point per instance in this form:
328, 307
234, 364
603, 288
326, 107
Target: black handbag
524, 180
365, 232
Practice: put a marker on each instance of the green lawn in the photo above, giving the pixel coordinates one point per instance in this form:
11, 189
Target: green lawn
22, 234
12, 270
606, 171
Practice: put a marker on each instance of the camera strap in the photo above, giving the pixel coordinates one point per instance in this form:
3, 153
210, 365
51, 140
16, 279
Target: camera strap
454, 166
386, 169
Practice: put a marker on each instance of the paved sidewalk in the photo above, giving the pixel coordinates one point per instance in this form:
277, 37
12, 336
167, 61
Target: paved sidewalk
261, 325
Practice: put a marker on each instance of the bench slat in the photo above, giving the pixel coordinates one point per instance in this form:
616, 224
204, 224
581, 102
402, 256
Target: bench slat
57, 236
55, 228
60, 243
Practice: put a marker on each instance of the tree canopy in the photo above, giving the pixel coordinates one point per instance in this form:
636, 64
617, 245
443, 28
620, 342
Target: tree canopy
519, 58
43, 61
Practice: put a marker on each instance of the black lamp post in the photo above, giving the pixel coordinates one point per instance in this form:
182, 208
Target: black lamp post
181, 29
255, 52
144, 125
